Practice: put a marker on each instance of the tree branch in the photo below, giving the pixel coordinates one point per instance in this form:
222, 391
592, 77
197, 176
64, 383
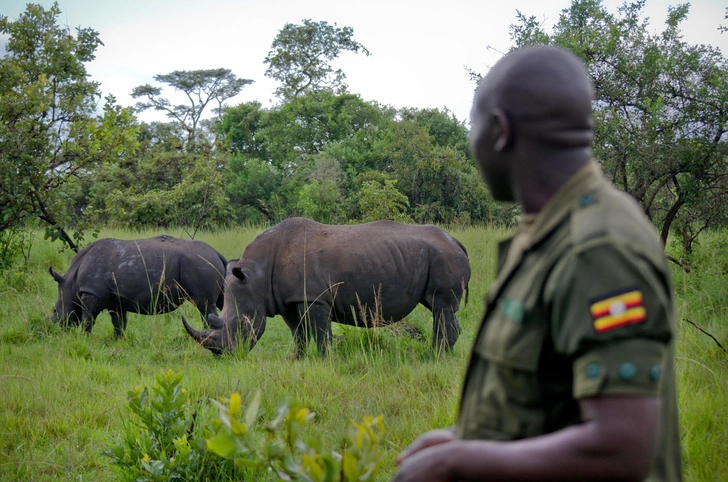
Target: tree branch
705, 332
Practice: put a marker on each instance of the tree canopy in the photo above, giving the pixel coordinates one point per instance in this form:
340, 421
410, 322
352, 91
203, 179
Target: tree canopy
660, 110
51, 136
301, 55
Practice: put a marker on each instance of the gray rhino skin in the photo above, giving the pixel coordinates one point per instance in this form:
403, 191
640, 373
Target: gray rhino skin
147, 276
312, 274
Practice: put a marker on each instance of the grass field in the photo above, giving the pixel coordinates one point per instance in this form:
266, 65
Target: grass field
63, 393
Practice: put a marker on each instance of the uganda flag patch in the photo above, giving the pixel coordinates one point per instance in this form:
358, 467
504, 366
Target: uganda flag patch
618, 309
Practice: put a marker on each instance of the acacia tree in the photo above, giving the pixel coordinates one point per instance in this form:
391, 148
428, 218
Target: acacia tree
200, 86
660, 110
50, 135
300, 57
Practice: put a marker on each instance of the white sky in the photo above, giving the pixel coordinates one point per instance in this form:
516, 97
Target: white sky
419, 49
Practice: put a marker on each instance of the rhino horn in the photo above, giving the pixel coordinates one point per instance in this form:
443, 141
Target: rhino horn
215, 321
56, 276
206, 338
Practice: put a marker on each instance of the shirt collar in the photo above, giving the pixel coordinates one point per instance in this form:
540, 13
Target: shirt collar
561, 203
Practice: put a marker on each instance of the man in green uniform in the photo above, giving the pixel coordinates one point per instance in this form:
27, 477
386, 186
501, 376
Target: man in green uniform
571, 376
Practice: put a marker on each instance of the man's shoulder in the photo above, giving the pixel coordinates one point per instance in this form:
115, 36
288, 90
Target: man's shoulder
607, 213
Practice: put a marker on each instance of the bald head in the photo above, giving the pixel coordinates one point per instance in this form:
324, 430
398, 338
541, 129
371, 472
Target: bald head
531, 124
546, 93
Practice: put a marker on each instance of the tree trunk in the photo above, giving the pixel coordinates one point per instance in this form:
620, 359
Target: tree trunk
669, 218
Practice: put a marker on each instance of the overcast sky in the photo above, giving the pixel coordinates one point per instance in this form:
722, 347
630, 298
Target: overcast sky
419, 49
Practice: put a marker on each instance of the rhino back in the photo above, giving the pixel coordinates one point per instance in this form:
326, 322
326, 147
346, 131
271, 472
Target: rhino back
147, 273
384, 262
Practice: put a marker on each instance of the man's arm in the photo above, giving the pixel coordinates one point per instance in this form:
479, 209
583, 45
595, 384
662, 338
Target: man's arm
616, 441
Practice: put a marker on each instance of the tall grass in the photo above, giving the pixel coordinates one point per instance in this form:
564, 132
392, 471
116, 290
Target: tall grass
702, 365
63, 393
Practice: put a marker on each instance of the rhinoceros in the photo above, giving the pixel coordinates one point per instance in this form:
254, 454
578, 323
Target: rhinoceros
147, 276
363, 275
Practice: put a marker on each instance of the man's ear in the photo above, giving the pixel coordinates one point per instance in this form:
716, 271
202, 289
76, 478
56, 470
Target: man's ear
501, 130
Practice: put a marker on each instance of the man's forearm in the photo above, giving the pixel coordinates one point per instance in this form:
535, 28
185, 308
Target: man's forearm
599, 449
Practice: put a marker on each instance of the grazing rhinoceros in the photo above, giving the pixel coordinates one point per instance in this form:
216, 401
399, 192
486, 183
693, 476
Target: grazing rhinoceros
363, 275
146, 276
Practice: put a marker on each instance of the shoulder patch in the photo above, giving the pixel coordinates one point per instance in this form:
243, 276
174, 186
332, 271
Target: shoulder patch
618, 309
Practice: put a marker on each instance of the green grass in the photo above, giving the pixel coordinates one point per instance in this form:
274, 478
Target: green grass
63, 393
702, 366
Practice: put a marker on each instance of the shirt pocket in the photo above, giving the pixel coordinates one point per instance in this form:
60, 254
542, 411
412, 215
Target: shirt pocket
510, 402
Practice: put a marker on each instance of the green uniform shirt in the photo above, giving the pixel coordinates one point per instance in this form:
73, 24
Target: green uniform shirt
582, 307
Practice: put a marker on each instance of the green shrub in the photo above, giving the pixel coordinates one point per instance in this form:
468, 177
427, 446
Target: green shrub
15, 247
283, 451
168, 444
379, 201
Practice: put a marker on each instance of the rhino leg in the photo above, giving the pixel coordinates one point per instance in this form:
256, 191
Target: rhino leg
90, 310
298, 330
119, 322
445, 328
205, 309
306, 322
318, 322
220, 300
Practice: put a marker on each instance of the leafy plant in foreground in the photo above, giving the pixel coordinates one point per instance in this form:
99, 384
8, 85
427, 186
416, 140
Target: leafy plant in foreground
168, 444
167, 447
283, 452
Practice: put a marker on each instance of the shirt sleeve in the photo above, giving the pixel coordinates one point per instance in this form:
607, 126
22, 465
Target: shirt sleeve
610, 312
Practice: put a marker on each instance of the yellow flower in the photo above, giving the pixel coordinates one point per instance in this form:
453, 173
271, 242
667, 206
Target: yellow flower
235, 404
146, 458
301, 415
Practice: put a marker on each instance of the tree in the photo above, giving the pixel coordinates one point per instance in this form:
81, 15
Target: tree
432, 176
163, 189
660, 110
50, 135
442, 125
200, 86
379, 201
240, 129
254, 183
303, 127
320, 201
300, 57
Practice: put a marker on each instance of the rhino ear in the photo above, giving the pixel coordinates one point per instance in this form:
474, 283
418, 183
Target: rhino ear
238, 273
59, 279
229, 266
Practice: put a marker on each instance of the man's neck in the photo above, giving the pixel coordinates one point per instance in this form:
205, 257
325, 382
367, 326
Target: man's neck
543, 172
